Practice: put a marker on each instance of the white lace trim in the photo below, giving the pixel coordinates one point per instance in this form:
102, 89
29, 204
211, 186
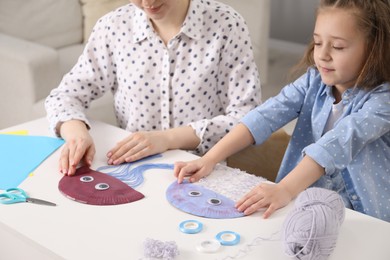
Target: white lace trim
229, 182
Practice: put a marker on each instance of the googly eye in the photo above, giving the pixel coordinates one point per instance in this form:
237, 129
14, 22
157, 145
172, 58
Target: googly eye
86, 178
194, 193
214, 201
102, 186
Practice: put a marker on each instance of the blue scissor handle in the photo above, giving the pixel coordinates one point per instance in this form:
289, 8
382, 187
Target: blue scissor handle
13, 195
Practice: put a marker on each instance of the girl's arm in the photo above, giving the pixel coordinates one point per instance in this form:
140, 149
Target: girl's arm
234, 141
302, 176
275, 196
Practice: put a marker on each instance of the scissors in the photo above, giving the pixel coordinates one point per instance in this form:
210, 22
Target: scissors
15, 195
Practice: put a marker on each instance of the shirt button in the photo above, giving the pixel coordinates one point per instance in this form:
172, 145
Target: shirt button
354, 197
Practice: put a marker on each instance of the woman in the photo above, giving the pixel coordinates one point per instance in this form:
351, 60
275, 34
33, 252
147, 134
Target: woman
182, 73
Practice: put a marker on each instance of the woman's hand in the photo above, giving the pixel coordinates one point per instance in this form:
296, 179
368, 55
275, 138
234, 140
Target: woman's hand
141, 144
137, 146
196, 169
78, 148
265, 195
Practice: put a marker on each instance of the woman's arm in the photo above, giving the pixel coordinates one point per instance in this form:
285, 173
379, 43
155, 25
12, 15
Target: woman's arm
141, 144
79, 146
237, 87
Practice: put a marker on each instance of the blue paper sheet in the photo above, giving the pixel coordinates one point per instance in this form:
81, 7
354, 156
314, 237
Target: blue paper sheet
21, 154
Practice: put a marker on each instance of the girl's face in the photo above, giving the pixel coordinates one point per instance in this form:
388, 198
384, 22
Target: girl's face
340, 48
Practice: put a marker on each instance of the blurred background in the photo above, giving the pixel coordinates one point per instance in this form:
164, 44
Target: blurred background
286, 26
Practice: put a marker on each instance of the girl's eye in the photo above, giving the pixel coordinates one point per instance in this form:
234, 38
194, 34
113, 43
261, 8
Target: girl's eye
86, 178
338, 48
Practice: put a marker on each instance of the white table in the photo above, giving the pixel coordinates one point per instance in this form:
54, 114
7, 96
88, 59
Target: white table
77, 231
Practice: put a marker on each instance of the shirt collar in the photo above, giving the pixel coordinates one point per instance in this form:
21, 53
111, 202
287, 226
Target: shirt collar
347, 96
192, 26
141, 21
193, 23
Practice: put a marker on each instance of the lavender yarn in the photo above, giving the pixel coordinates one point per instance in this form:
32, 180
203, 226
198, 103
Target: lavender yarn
310, 231
158, 249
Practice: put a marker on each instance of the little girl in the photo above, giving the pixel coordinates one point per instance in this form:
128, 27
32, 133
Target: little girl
341, 140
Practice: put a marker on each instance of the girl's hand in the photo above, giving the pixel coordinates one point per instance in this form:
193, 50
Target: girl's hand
196, 169
137, 146
265, 195
78, 147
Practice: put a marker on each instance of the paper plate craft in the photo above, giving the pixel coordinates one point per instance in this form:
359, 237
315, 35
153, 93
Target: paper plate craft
215, 195
96, 188
133, 176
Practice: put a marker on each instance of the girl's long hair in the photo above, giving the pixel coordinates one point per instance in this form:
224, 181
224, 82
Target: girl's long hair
373, 19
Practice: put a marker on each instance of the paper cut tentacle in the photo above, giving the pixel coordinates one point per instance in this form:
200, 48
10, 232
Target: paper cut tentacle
133, 177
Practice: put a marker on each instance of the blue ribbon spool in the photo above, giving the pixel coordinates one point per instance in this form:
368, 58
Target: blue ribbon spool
191, 226
228, 238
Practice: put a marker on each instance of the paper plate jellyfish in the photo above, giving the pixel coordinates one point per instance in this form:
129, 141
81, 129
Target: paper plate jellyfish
96, 188
215, 195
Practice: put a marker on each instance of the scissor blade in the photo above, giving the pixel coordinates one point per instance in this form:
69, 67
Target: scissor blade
41, 202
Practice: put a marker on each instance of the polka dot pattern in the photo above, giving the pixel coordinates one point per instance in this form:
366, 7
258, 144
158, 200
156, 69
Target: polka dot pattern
355, 153
204, 77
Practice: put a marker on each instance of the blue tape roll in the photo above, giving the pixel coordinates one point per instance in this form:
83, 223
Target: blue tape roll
228, 238
191, 226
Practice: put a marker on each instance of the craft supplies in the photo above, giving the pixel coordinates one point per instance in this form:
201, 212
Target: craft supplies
228, 238
133, 176
214, 196
96, 188
21, 154
199, 201
224, 238
310, 231
208, 246
16, 195
191, 226
159, 249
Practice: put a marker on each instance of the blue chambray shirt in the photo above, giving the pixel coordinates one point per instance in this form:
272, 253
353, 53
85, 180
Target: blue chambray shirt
355, 153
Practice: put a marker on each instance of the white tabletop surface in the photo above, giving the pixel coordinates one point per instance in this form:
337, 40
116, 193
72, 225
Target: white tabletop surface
77, 231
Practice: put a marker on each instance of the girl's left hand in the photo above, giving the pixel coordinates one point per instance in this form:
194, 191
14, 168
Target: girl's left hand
137, 146
265, 195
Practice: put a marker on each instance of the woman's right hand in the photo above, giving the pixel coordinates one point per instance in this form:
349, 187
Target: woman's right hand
78, 148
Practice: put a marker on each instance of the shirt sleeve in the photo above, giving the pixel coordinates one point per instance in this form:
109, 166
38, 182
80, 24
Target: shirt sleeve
238, 86
281, 109
91, 77
338, 147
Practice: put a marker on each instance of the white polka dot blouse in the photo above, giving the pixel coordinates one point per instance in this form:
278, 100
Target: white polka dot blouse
204, 77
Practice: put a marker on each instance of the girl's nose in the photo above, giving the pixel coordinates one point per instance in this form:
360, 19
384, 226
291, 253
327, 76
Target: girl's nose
323, 53
148, 3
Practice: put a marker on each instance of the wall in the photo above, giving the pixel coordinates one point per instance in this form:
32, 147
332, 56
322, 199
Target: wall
292, 20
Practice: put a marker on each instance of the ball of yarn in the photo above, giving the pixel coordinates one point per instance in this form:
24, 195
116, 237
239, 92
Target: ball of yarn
159, 249
311, 229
